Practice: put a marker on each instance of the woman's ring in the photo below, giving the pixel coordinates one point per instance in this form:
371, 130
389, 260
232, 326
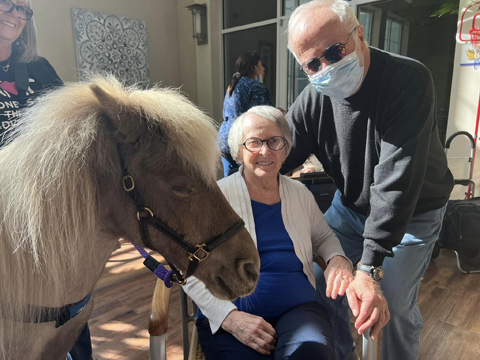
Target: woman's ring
341, 279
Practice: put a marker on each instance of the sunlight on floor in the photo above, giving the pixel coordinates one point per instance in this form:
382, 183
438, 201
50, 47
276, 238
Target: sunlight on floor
118, 326
109, 354
137, 343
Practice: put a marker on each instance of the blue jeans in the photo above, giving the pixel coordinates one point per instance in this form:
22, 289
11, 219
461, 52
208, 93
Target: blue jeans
400, 284
302, 333
82, 350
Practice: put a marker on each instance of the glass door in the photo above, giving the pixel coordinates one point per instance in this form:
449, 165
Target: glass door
420, 30
250, 25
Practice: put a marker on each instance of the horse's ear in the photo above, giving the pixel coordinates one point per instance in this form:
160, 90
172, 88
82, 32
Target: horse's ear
118, 117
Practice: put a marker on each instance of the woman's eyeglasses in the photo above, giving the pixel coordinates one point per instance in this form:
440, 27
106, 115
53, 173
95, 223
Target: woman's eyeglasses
275, 143
333, 54
24, 12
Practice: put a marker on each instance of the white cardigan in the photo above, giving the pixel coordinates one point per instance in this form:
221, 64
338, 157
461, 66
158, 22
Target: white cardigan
303, 221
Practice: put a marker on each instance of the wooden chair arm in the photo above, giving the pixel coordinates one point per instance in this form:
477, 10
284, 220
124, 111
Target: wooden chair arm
158, 321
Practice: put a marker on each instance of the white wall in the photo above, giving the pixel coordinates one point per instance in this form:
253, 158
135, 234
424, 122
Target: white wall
187, 58
462, 116
209, 64
55, 33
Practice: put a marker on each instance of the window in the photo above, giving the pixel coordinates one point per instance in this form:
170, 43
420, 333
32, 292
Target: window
408, 28
290, 5
238, 13
365, 19
393, 36
261, 39
296, 80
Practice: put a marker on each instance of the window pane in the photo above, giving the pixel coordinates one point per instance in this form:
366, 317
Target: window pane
237, 13
396, 35
393, 36
388, 28
290, 5
365, 19
297, 80
262, 40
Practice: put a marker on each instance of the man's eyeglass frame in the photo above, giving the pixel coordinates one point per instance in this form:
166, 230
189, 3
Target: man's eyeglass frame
266, 141
342, 48
28, 11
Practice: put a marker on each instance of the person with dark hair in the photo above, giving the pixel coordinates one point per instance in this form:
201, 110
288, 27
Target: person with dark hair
245, 91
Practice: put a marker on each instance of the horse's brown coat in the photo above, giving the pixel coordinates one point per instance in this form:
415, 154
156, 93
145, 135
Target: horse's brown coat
63, 207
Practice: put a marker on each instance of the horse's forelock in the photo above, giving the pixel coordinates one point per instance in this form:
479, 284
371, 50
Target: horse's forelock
189, 131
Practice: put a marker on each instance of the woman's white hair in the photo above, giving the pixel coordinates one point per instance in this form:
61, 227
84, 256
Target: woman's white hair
235, 135
29, 40
302, 13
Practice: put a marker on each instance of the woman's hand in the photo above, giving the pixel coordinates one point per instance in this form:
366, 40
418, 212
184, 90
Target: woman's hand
338, 276
251, 330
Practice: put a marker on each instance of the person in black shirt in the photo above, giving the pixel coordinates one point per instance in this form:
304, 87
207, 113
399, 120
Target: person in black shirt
23, 76
369, 117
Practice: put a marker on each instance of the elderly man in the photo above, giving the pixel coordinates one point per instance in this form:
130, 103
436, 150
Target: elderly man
370, 119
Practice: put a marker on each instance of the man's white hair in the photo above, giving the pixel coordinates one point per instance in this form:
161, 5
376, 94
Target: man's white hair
302, 13
235, 135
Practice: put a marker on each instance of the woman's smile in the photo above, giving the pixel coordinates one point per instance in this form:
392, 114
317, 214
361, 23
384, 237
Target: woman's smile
264, 163
8, 23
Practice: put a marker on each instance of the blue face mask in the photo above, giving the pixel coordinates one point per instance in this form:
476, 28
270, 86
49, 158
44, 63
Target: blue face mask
341, 79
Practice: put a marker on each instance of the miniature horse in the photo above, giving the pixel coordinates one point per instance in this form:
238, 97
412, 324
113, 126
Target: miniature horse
63, 205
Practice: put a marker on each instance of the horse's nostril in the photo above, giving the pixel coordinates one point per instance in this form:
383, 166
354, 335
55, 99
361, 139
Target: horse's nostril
251, 271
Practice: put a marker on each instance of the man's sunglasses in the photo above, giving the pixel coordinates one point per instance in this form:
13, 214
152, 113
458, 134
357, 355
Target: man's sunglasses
24, 12
333, 54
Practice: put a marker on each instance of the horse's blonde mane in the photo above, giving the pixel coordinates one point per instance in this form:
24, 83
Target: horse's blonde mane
48, 190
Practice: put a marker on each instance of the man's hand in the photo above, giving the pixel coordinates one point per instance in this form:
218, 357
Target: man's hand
374, 308
251, 330
338, 275
308, 169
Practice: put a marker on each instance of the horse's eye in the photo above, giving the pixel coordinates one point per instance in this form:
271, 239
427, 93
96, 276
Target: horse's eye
183, 191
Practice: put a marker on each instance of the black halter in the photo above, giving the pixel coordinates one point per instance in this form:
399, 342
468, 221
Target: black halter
196, 253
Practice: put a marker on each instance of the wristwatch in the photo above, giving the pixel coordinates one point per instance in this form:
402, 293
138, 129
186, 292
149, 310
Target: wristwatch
376, 272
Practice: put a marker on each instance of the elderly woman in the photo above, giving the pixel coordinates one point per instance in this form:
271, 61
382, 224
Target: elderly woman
23, 74
282, 318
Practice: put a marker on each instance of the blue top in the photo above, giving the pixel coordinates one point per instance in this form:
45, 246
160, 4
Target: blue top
247, 93
282, 285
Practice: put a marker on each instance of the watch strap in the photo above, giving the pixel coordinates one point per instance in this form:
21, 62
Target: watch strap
376, 272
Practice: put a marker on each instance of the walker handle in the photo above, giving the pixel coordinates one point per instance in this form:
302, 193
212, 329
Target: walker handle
454, 135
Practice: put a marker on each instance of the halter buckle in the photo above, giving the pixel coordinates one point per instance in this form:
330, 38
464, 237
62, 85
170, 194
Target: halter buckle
132, 182
174, 278
200, 254
150, 212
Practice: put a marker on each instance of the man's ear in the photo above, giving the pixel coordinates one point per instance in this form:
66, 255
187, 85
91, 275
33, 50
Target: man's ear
361, 37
